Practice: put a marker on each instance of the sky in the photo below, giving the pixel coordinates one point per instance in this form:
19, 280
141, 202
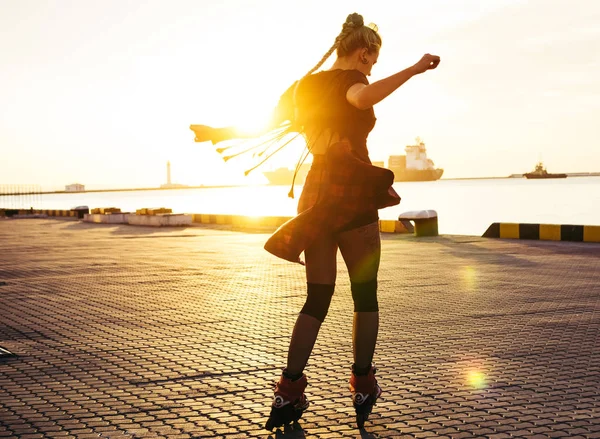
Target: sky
103, 92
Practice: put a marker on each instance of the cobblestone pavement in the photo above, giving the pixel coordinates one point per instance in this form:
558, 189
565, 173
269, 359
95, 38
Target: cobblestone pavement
127, 332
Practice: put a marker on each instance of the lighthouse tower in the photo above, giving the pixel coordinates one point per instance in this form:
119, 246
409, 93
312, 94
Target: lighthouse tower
169, 184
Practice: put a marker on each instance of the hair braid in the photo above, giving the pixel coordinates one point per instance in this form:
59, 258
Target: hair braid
352, 22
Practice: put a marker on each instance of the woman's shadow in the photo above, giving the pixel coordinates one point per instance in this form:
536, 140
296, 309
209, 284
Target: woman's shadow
297, 432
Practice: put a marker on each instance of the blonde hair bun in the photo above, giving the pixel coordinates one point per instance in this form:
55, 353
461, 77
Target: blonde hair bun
355, 20
354, 35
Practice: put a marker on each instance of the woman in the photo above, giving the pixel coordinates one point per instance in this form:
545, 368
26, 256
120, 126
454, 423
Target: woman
333, 109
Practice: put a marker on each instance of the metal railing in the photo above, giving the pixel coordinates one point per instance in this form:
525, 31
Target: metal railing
20, 196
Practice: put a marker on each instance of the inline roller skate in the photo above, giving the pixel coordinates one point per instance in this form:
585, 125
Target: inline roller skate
289, 402
365, 392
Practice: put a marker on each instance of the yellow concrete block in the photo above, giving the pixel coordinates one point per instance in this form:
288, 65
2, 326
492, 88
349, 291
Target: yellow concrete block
221, 219
278, 221
255, 221
509, 230
268, 221
157, 211
164, 210
236, 220
263, 221
205, 219
550, 232
107, 210
387, 226
591, 233
401, 228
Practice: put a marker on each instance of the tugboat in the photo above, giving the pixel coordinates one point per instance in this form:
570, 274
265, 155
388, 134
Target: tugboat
540, 172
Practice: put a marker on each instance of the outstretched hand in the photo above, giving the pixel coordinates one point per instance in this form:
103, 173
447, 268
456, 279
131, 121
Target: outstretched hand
427, 62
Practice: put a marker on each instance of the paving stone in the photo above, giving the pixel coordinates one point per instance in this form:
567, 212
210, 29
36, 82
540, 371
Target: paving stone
124, 332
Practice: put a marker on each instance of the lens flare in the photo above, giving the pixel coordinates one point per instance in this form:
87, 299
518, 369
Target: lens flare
476, 379
470, 279
365, 267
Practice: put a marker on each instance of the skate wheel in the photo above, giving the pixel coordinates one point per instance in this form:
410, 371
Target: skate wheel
360, 419
288, 427
269, 425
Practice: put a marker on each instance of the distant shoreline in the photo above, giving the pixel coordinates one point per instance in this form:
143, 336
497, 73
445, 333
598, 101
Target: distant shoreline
514, 176
132, 189
573, 174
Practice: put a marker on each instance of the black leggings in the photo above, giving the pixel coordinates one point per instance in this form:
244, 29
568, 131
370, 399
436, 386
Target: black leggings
319, 297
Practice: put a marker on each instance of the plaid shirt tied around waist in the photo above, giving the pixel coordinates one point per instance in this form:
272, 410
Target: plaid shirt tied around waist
340, 189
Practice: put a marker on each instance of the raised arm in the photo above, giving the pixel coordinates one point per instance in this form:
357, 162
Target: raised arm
365, 96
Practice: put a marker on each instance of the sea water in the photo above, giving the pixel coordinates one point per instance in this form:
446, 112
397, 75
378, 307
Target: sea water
464, 207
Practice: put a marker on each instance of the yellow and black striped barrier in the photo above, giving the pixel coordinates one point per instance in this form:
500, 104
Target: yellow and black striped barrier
385, 226
239, 220
546, 232
53, 212
47, 212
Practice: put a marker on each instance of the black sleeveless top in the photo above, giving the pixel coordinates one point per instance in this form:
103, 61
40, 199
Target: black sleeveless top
319, 103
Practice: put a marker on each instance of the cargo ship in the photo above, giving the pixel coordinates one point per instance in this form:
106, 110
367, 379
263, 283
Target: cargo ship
540, 172
414, 166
